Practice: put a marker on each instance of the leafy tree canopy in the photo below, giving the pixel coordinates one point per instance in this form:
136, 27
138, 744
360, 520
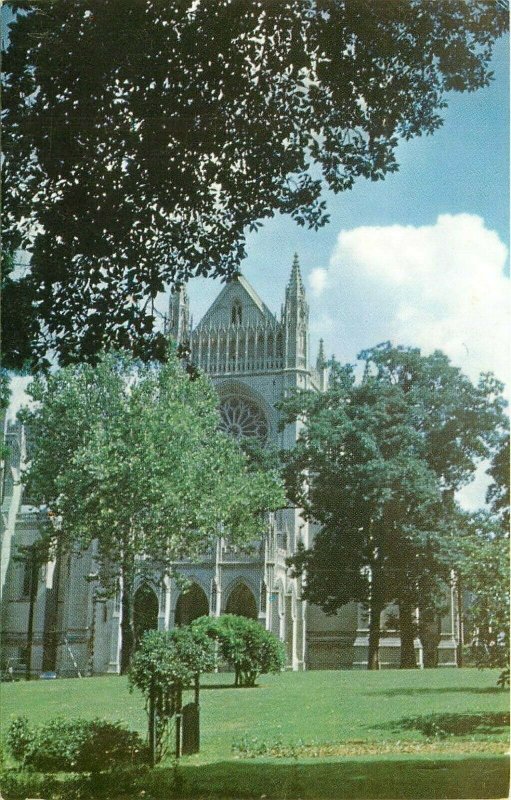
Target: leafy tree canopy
143, 137
129, 456
376, 466
498, 491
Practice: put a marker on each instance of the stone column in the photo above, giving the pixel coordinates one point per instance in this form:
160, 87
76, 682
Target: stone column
289, 628
299, 654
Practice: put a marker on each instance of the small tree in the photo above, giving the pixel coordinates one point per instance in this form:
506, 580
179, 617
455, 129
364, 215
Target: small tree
245, 645
164, 665
130, 456
483, 565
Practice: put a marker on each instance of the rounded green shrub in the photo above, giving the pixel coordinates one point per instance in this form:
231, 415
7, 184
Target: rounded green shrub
249, 648
77, 745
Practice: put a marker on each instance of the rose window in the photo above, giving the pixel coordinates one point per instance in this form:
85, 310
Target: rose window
242, 418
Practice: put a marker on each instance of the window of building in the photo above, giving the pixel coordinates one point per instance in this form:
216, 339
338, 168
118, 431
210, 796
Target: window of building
236, 313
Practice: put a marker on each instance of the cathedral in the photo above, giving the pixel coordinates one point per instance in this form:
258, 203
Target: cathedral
253, 357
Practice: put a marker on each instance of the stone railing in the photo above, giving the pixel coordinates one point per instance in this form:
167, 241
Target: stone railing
233, 366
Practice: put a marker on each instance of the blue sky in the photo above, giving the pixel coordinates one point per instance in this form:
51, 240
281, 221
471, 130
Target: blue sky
462, 169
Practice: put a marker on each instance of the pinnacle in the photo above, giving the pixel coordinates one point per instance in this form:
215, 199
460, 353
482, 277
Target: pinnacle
321, 355
295, 281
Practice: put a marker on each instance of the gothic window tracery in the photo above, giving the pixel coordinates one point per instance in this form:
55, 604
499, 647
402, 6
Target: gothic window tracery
236, 313
242, 418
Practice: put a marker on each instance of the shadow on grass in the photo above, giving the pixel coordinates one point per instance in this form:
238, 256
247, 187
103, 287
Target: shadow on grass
443, 725
229, 686
441, 690
398, 778
208, 686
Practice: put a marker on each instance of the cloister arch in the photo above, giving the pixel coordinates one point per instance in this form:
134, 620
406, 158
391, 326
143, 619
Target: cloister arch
191, 604
241, 602
145, 611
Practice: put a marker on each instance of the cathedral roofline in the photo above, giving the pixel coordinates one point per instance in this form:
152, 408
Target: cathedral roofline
251, 292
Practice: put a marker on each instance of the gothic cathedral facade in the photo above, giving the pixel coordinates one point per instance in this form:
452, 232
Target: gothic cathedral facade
253, 358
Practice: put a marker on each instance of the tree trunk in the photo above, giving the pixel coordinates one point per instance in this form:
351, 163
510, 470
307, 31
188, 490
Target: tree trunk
51, 624
152, 725
373, 661
179, 714
33, 566
127, 626
376, 606
429, 634
407, 633
459, 608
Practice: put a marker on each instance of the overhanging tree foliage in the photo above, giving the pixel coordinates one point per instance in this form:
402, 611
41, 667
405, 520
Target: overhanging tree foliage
129, 456
143, 137
376, 465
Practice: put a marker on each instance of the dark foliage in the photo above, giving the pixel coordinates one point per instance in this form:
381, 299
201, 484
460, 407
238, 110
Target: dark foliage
143, 138
443, 725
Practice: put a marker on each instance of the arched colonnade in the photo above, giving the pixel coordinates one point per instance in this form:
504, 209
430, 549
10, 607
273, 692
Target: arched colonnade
280, 611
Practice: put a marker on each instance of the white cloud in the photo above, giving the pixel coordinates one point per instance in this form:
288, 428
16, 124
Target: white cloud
317, 279
436, 286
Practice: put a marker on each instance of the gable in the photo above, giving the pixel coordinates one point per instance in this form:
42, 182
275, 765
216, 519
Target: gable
238, 292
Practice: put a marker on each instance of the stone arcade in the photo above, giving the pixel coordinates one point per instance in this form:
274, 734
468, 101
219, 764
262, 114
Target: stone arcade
253, 357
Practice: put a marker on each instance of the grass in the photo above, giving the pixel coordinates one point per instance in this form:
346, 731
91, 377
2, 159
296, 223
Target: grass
399, 734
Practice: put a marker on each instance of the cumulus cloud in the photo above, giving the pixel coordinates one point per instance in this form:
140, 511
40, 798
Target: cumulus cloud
438, 286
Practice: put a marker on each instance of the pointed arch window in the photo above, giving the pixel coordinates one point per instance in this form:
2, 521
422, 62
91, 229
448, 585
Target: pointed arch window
236, 313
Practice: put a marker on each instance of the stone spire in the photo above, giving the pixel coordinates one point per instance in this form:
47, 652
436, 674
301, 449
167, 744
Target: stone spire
296, 319
320, 361
295, 286
179, 315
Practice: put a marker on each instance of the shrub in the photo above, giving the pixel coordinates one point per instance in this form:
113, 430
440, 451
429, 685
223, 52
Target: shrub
246, 645
19, 738
165, 658
74, 745
164, 665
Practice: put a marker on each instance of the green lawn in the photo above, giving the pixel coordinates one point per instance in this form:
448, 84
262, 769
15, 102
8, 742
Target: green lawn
399, 734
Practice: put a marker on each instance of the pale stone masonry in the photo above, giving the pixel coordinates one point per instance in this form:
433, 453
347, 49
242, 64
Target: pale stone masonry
253, 358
